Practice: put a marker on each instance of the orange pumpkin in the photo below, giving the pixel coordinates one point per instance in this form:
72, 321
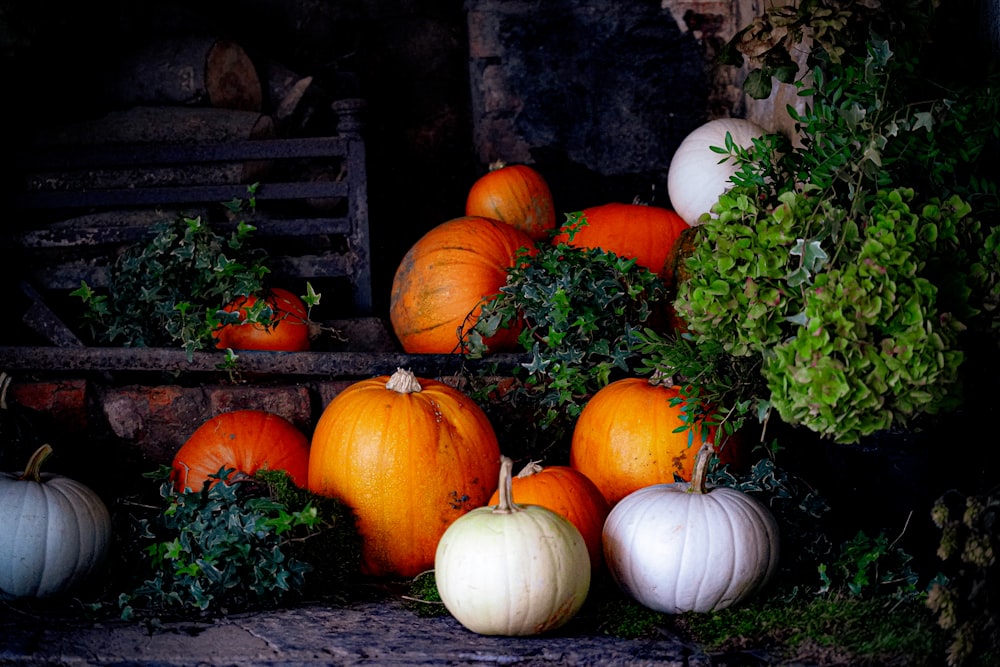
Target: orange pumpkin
569, 493
625, 438
409, 456
288, 330
517, 195
246, 440
440, 285
675, 272
635, 231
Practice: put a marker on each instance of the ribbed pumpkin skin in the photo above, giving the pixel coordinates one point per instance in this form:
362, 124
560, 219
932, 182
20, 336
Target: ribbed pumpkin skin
645, 233
696, 178
409, 464
289, 333
517, 195
624, 439
247, 440
518, 574
444, 277
54, 534
570, 494
675, 551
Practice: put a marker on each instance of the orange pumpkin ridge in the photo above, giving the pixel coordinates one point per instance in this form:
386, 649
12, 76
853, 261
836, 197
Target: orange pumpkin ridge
409, 456
625, 438
441, 282
288, 330
517, 195
244, 440
633, 231
569, 493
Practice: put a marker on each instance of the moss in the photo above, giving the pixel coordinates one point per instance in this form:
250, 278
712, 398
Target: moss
862, 631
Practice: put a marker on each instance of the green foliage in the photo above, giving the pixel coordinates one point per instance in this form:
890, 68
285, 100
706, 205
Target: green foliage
706, 375
869, 567
582, 311
965, 598
827, 264
229, 547
170, 290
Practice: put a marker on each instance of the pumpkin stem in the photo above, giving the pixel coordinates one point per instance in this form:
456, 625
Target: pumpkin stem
699, 476
32, 471
506, 504
533, 468
5, 381
403, 382
497, 165
661, 379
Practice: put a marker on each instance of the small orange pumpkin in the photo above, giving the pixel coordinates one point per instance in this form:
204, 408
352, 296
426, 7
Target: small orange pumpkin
634, 231
410, 456
516, 194
569, 493
244, 440
625, 438
440, 285
288, 330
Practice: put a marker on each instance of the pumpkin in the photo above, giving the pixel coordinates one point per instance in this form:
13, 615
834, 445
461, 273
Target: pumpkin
569, 493
440, 285
243, 440
287, 331
685, 547
409, 455
698, 175
634, 231
55, 532
516, 194
510, 568
676, 272
625, 438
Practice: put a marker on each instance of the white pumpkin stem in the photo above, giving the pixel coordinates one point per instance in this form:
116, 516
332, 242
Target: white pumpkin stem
699, 476
533, 468
506, 504
497, 165
403, 382
32, 471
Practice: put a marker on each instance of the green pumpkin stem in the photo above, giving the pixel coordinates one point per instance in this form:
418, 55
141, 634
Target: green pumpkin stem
32, 472
506, 504
699, 476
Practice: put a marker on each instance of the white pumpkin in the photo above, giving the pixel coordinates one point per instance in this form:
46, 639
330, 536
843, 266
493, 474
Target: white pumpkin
685, 547
696, 177
512, 569
55, 532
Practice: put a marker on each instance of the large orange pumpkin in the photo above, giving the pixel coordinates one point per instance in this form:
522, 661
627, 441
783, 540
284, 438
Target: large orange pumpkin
439, 287
409, 456
635, 231
288, 330
625, 438
569, 493
245, 440
516, 194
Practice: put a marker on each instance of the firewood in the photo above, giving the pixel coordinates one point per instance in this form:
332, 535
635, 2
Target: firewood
188, 72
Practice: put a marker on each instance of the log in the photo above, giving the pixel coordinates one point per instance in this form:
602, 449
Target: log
149, 125
188, 72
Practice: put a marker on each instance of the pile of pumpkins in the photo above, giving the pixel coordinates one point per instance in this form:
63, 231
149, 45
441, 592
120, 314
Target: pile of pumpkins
420, 464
